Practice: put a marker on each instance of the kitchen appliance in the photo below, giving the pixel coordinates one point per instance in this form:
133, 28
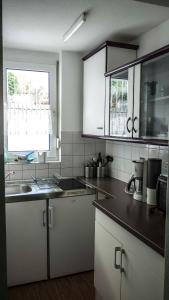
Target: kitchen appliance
135, 184
161, 192
153, 172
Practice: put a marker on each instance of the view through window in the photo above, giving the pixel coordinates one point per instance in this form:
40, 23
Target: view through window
28, 110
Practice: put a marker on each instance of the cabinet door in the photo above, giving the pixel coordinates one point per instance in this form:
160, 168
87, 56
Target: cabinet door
71, 234
94, 94
143, 277
121, 104
107, 279
154, 98
26, 242
136, 113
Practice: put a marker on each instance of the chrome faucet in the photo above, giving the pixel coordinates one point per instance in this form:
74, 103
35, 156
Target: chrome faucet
34, 179
9, 173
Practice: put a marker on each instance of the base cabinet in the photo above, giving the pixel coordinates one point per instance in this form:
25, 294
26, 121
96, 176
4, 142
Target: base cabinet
106, 278
71, 235
135, 271
26, 235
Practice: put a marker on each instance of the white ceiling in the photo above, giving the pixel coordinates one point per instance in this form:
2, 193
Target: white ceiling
40, 24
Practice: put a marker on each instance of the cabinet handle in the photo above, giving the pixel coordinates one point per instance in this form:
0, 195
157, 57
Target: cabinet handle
100, 128
50, 217
117, 249
44, 217
127, 123
121, 261
135, 130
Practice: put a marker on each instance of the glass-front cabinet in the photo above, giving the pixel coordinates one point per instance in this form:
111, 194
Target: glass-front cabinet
154, 98
137, 100
120, 104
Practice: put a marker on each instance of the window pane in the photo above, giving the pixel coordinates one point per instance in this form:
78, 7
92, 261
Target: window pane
29, 115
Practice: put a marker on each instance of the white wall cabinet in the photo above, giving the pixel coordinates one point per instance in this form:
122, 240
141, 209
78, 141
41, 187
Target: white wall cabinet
139, 271
122, 105
94, 94
71, 235
95, 66
26, 235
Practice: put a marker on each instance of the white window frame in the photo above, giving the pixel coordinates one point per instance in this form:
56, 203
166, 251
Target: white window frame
53, 154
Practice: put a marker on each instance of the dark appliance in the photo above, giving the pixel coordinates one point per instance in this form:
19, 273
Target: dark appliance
161, 192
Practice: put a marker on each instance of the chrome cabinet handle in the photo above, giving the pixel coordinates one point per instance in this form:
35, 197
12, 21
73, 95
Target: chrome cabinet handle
100, 128
135, 130
121, 261
127, 123
117, 249
44, 217
50, 217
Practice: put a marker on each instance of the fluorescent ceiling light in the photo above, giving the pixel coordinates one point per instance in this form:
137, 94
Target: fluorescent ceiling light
75, 26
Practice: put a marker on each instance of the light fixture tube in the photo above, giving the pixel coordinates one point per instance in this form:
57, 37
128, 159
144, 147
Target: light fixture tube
75, 26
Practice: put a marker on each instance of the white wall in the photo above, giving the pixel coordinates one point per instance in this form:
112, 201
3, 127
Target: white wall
71, 90
38, 57
153, 39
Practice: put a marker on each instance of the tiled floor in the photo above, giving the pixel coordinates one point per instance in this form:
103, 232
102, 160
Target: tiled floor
75, 287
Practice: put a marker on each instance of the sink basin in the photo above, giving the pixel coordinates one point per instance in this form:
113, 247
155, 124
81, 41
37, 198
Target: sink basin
17, 189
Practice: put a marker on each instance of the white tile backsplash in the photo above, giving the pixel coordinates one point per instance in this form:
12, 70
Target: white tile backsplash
54, 172
78, 149
43, 173
124, 153
78, 161
66, 161
90, 149
78, 172
75, 151
27, 174
66, 137
67, 172
66, 149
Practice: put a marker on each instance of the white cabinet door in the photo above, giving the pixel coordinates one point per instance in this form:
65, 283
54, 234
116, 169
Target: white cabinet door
71, 235
26, 242
94, 94
107, 279
144, 275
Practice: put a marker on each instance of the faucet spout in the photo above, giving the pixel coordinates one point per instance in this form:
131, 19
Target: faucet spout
9, 173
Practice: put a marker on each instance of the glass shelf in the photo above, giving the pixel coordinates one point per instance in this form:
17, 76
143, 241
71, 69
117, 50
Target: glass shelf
155, 98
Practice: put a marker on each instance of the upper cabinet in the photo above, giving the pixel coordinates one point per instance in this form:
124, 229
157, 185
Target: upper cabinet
103, 59
123, 103
154, 98
137, 99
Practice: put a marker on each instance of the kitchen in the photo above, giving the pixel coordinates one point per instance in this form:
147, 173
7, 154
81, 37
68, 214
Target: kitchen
70, 149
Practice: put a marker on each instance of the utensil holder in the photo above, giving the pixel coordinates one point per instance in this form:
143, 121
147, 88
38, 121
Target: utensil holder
101, 172
90, 172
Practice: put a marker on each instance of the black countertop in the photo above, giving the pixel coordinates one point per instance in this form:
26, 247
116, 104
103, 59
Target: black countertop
137, 217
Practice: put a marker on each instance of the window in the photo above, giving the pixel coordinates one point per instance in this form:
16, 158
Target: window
30, 120
29, 115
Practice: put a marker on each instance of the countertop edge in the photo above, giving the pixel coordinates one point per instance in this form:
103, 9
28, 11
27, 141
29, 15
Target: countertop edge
137, 234
121, 222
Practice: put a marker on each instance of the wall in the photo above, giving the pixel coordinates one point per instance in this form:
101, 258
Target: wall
124, 153
38, 57
3, 278
75, 150
71, 90
153, 39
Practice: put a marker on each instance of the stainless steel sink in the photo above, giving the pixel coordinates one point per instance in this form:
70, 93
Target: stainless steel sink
12, 189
